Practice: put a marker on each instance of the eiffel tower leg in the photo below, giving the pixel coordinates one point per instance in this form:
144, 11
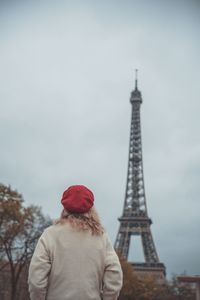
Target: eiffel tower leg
149, 247
122, 243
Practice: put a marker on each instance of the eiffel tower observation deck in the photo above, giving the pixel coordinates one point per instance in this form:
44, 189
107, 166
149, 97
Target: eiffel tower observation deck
135, 219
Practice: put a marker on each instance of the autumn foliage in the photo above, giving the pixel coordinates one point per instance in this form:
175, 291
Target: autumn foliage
20, 228
147, 288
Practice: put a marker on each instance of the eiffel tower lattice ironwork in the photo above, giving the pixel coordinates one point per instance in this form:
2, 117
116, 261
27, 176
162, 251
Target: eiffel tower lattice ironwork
134, 219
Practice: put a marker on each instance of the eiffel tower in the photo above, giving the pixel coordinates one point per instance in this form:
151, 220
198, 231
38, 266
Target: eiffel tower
134, 219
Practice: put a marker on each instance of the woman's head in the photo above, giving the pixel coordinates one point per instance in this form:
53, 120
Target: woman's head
79, 211
77, 199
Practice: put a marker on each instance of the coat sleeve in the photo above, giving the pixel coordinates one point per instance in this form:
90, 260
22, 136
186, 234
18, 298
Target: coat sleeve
112, 280
39, 270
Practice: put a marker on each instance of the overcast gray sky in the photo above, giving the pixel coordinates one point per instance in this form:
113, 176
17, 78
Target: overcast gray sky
66, 73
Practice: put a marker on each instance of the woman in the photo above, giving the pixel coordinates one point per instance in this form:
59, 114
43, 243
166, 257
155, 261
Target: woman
74, 258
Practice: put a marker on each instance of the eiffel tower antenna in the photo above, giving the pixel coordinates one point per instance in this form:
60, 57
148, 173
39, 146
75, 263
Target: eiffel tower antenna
136, 78
135, 219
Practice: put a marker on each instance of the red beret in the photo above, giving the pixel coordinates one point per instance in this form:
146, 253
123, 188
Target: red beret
77, 199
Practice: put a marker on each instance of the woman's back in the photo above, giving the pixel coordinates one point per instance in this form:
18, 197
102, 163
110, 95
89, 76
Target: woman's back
78, 261
75, 262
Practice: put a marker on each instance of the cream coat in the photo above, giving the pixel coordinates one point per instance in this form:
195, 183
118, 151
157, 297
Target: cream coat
74, 265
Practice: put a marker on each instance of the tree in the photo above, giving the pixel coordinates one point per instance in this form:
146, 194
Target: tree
132, 286
20, 228
148, 288
182, 290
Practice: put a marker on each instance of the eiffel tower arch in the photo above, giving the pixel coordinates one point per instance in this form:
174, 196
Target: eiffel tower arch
134, 219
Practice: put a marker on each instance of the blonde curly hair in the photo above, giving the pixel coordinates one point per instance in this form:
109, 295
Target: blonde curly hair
82, 221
